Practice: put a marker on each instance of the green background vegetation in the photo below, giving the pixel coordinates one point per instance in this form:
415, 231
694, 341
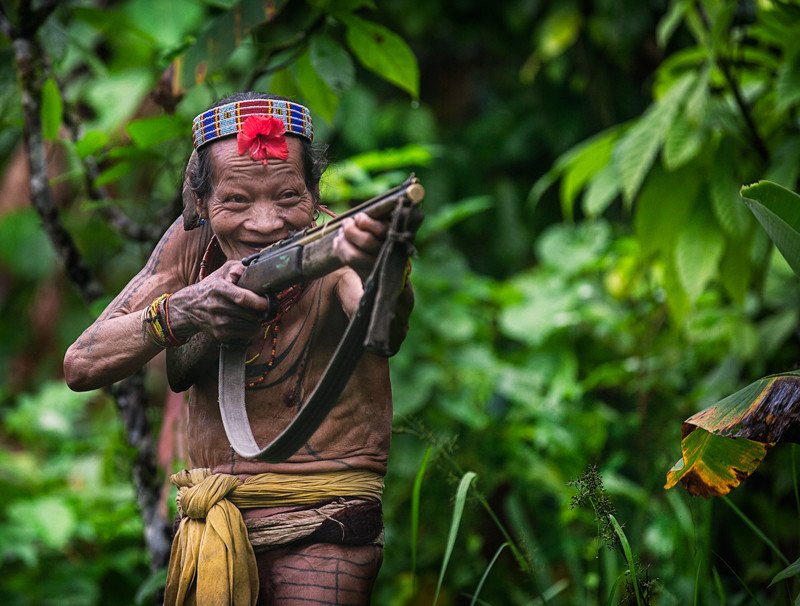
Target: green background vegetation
587, 277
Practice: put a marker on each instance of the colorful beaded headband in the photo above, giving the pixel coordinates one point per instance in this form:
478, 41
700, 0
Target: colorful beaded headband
227, 119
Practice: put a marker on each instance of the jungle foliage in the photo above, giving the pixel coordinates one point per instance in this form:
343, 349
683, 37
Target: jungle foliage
588, 277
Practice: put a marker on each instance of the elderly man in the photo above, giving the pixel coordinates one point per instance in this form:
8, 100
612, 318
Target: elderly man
309, 529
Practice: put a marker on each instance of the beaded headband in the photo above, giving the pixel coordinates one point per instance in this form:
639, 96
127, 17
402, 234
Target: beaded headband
227, 119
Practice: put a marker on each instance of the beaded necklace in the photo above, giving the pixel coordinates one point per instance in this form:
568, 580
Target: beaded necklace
286, 299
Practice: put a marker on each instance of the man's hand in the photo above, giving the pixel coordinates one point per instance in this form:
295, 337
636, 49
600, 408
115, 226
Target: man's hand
359, 242
218, 307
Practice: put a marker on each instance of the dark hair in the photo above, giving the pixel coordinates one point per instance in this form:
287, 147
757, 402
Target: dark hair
314, 156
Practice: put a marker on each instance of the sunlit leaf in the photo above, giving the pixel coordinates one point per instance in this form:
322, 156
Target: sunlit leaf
670, 22
636, 151
713, 465
148, 132
580, 164
50, 517
764, 413
603, 188
91, 143
778, 211
452, 214
559, 31
51, 110
384, 52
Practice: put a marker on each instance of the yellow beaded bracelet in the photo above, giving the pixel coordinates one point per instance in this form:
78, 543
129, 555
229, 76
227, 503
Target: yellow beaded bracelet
156, 323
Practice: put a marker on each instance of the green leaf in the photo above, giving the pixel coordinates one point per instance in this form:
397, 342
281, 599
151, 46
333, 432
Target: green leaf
315, 90
787, 87
452, 214
458, 510
762, 411
49, 517
684, 141
332, 63
664, 207
24, 248
224, 34
791, 570
384, 52
726, 203
91, 143
415, 498
486, 573
778, 211
637, 149
735, 269
588, 160
559, 31
603, 188
697, 254
712, 465
670, 22
149, 132
52, 109
628, 553
150, 587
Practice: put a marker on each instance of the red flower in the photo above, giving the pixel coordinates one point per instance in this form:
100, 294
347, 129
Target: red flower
264, 137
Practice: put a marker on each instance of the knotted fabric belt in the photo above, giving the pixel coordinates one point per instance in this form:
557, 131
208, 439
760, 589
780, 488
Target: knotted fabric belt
212, 561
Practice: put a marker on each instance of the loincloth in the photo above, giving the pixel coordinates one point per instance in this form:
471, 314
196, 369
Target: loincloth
213, 552
346, 522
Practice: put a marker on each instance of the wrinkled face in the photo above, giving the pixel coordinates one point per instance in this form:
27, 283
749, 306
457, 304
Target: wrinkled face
252, 205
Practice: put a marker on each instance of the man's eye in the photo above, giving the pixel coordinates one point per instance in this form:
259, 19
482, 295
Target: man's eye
289, 195
236, 198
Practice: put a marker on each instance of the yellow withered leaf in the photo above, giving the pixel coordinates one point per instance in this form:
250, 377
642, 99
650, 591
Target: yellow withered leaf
712, 465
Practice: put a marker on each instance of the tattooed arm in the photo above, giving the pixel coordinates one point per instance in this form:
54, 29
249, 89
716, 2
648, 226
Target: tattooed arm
115, 345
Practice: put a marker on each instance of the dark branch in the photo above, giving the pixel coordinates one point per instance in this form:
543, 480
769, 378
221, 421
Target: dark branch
29, 63
725, 66
130, 394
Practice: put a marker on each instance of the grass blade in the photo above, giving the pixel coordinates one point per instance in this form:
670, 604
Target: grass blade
759, 533
486, 574
458, 510
415, 496
626, 549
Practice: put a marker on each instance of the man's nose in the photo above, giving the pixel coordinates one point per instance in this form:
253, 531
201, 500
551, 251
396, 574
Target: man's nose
265, 217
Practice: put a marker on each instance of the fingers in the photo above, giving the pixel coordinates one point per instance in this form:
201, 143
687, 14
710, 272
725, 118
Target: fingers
359, 242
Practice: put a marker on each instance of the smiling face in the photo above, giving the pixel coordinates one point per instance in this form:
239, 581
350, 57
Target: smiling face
252, 205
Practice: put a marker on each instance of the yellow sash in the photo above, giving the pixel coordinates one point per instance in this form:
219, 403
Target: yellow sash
212, 561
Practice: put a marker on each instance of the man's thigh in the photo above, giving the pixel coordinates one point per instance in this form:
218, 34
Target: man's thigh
319, 573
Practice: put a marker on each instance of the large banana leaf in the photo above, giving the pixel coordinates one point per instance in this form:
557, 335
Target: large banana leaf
725, 443
778, 211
